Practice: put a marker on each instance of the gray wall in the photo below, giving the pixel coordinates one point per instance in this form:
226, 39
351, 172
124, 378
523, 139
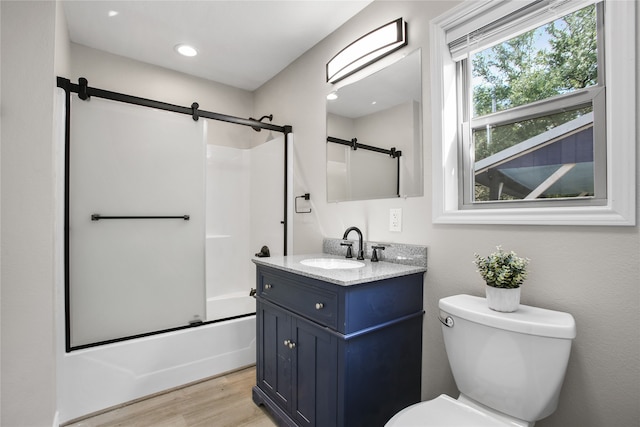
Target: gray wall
27, 213
590, 272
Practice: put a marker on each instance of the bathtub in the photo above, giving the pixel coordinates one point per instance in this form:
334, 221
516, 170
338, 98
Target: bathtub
97, 378
230, 305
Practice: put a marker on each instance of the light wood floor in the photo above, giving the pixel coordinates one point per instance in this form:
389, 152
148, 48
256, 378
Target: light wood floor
224, 401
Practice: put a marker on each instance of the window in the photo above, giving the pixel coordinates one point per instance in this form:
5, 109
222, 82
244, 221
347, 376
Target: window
528, 124
524, 104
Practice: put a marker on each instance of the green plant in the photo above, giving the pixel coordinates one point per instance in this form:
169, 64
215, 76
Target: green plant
502, 269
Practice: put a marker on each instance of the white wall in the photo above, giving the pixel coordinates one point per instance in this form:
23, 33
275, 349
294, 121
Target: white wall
590, 272
27, 213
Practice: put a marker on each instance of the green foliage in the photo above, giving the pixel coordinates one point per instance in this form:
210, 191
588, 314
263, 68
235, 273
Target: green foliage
554, 59
502, 269
573, 60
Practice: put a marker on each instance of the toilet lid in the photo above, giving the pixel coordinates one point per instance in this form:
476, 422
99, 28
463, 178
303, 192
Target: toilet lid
444, 411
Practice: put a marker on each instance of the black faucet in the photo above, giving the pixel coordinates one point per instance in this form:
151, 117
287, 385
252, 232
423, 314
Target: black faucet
357, 230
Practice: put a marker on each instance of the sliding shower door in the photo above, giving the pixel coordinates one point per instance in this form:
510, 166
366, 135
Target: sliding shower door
136, 215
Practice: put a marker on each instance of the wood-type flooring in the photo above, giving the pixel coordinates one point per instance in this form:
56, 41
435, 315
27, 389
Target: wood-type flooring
223, 401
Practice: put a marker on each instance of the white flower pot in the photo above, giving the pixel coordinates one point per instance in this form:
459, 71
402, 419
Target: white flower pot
502, 299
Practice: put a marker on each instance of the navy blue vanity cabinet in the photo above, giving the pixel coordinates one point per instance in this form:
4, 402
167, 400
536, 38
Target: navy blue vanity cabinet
296, 367
331, 355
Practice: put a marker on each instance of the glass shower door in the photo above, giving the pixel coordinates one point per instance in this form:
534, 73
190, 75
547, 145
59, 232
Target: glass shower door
132, 271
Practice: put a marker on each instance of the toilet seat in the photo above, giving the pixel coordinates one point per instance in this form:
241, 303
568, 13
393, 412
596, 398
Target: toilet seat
443, 411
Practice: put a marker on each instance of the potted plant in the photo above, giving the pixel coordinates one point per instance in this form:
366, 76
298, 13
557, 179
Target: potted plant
503, 273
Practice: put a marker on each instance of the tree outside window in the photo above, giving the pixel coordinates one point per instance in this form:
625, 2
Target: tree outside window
535, 68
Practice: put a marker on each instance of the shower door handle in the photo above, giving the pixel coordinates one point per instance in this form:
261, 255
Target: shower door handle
98, 217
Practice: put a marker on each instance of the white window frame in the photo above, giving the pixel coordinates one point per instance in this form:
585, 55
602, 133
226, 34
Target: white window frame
621, 118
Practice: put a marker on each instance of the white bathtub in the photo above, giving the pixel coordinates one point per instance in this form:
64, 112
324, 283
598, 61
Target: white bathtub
230, 305
101, 377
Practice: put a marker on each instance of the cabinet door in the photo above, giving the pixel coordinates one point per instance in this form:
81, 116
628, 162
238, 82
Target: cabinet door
274, 357
315, 375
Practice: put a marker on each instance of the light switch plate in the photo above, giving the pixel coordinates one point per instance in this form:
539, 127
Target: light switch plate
395, 219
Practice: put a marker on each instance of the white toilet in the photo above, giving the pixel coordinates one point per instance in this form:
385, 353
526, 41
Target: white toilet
509, 367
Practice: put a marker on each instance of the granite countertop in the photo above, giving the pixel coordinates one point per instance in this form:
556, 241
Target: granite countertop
371, 271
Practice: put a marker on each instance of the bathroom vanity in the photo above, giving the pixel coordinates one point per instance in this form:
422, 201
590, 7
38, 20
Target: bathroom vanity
337, 347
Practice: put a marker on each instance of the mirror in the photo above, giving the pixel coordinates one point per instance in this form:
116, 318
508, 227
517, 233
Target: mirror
374, 135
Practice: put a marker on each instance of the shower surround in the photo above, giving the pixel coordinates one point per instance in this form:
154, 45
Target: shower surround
243, 213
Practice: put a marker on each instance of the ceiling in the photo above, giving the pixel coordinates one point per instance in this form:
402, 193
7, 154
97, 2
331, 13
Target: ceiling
240, 43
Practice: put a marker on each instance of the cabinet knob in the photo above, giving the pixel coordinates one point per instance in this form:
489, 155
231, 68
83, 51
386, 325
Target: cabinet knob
268, 286
286, 343
292, 345
319, 306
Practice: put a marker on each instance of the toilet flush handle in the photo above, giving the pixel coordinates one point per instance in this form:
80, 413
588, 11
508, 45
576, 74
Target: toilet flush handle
446, 321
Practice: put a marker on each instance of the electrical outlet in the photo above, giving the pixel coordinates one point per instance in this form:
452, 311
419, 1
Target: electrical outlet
395, 219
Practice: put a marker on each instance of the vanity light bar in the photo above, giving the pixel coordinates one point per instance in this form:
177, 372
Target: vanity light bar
367, 49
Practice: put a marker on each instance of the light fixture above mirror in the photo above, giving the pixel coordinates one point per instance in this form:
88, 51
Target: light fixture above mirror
367, 49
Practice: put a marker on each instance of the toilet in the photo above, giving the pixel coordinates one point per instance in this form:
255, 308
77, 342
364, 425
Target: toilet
508, 367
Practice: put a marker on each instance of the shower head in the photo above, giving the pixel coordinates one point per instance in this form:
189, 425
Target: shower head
256, 128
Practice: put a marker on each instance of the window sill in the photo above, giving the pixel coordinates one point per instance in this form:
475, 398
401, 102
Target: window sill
593, 216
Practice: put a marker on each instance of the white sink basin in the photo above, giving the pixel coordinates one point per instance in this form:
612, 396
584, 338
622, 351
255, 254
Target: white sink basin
332, 263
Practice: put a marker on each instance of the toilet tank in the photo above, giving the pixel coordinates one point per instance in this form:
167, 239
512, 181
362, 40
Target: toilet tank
511, 362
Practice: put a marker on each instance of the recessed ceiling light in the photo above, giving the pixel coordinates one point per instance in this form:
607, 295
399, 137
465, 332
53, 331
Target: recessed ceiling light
332, 96
186, 50
112, 13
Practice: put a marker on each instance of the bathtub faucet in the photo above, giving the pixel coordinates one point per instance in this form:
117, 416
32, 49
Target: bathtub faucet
357, 230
